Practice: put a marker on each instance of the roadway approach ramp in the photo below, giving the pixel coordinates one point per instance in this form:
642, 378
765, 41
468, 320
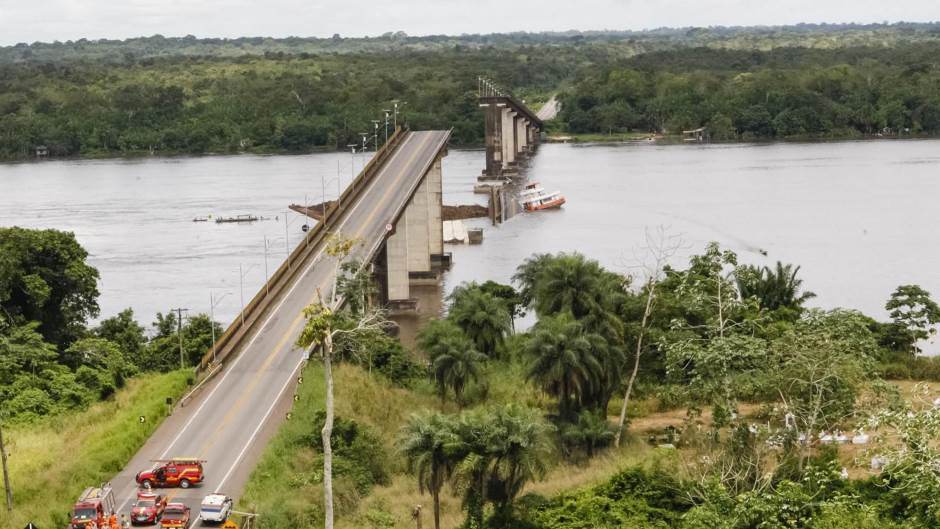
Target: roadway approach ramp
229, 420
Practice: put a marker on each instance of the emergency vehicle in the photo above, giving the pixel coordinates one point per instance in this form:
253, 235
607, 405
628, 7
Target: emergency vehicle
93, 507
181, 472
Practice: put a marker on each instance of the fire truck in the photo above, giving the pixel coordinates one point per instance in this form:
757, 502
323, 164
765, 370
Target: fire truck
181, 472
93, 507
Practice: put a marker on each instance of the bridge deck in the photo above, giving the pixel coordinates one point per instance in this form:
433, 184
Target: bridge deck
228, 423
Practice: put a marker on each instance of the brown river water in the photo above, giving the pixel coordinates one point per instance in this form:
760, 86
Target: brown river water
859, 217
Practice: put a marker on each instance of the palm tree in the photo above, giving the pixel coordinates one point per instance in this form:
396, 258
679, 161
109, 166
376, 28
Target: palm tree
569, 283
482, 317
527, 274
773, 288
519, 445
454, 360
563, 360
498, 452
590, 432
427, 442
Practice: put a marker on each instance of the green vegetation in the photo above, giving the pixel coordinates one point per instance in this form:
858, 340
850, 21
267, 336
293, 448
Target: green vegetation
733, 362
50, 361
783, 93
54, 458
68, 389
185, 95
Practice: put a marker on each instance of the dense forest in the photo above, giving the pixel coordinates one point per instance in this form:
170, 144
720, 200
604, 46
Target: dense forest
166, 96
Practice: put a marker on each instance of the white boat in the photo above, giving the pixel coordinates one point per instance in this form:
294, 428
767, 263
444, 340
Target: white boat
534, 198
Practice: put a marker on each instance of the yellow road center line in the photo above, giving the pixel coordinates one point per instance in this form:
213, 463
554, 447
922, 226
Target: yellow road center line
293, 327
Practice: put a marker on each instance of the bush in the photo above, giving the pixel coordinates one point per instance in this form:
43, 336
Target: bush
895, 371
358, 455
925, 368
636, 498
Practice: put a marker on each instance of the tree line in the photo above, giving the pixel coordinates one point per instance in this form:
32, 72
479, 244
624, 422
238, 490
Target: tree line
51, 360
283, 102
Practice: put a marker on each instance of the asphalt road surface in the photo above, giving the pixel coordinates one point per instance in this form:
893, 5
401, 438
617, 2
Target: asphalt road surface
230, 420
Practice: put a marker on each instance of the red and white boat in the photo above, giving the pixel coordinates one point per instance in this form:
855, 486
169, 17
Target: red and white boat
534, 198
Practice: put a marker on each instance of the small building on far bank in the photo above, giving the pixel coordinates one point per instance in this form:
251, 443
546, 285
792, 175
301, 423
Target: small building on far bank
699, 134
42, 151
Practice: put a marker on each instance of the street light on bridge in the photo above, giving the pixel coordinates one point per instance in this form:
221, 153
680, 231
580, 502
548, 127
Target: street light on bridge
387, 113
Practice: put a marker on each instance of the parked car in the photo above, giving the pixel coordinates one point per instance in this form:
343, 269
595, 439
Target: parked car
215, 508
148, 508
175, 516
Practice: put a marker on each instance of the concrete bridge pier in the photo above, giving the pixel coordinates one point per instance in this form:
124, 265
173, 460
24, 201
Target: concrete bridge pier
510, 146
414, 252
512, 131
522, 135
494, 140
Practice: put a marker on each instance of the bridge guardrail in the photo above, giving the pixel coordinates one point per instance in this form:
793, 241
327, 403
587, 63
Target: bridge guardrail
236, 332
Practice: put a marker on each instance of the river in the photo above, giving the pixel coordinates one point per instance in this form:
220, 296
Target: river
858, 217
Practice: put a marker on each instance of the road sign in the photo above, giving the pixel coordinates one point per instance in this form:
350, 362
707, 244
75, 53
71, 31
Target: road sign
289, 415
30, 525
296, 397
141, 419
300, 380
229, 524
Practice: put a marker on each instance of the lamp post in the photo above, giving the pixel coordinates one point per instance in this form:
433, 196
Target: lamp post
397, 104
267, 286
212, 304
375, 135
364, 135
241, 287
352, 159
387, 112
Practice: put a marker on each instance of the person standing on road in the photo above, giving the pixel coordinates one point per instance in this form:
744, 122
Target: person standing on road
112, 521
125, 524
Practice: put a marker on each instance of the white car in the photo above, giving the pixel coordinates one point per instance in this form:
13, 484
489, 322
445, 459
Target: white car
215, 508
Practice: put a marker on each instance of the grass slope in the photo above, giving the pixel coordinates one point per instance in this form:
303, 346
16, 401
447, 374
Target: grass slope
285, 488
53, 461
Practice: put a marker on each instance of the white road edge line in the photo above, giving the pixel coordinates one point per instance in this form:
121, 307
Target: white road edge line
241, 355
264, 419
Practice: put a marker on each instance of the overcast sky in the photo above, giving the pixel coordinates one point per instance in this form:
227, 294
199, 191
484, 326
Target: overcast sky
48, 20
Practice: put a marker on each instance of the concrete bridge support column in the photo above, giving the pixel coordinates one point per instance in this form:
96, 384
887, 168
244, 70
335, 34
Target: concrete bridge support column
509, 140
494, 140
396, 255
416, 221
435, 188
522, 132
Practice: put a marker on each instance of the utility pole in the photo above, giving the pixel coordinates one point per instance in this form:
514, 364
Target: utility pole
179, 331
6, 472
364, 135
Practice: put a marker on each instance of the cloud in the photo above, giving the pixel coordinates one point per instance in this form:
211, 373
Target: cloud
74, 19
